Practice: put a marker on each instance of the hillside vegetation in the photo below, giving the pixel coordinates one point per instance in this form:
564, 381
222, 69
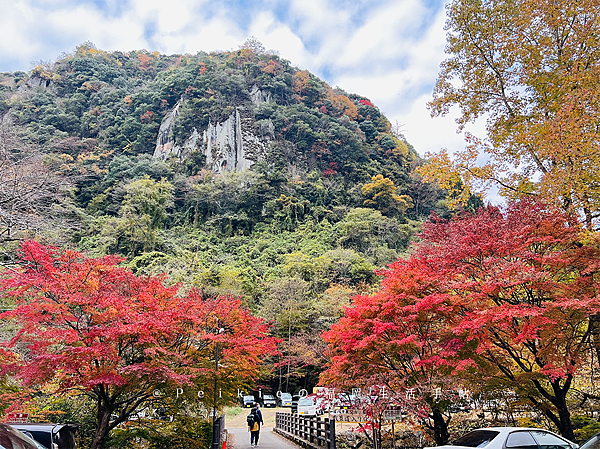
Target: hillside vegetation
331, 198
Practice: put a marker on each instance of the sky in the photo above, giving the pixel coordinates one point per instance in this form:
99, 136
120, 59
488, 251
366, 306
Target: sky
386, 50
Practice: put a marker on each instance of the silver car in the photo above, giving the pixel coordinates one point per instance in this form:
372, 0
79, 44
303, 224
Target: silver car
592, 443
511, 438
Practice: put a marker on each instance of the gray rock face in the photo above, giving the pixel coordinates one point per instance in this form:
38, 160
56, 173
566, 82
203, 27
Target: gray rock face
32, 84
259, 97
165, 142
231, 145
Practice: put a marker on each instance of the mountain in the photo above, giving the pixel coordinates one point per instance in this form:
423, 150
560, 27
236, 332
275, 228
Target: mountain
233, 172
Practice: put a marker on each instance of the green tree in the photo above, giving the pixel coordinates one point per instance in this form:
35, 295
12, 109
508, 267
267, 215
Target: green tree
148, 198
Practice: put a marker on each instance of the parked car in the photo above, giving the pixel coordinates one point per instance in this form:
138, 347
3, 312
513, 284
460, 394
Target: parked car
344, 401
269, 401
312, 405
511, 438
11, 438
248, 401
285, 400
37, 443
307, 406
49, 434
592, 443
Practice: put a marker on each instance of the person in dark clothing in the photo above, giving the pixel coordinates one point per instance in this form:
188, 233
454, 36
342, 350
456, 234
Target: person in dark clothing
255, 428
259, 413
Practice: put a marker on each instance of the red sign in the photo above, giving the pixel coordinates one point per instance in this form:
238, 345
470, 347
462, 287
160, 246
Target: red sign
17, 417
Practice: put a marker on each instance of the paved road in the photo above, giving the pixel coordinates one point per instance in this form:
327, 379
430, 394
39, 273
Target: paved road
240, 439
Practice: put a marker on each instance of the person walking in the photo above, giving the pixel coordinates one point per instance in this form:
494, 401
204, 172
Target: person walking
254, 422
259, 413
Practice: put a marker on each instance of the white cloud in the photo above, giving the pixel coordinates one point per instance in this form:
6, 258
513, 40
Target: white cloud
278, 36
387, 50
386, 35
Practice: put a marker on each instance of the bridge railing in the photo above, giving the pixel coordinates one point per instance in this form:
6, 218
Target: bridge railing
311, 432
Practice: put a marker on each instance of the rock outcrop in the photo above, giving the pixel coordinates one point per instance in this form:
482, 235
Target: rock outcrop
235, 144
165, 142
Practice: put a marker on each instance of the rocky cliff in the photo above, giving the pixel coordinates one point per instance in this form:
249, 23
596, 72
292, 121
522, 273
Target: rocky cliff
234, 144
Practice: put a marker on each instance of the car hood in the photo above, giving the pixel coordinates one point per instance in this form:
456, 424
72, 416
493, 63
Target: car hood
449, 446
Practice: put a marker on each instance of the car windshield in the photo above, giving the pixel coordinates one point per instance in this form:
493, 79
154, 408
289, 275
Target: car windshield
286, 396
305, 401
477, 438
248, 398
268, 396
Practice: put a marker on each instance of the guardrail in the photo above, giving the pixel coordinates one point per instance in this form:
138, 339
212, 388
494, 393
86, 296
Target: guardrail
310, 432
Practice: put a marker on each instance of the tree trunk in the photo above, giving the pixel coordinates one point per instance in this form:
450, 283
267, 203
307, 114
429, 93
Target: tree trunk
561, 416
102, 421
564, 425
440, 427
595, 331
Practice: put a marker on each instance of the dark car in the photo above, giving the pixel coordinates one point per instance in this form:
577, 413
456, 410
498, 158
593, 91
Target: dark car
13, 439
62, 435
269, 401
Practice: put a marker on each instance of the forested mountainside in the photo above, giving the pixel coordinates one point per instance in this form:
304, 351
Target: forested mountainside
233, 172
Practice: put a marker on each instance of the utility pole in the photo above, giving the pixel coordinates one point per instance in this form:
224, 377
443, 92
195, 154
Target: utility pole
216, 428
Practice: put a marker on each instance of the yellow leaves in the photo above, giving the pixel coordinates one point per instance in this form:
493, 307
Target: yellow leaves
449, 175
532, 70
299, 83
381, 194
42, 72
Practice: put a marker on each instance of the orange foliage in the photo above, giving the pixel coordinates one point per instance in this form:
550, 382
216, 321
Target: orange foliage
343, 105
146, 116
272, 67
300, 79
144, 61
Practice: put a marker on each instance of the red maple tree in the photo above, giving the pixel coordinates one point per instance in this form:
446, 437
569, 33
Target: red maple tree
504, 298
400, 337
92, 327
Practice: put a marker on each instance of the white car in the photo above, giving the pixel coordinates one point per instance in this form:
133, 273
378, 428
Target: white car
511, 438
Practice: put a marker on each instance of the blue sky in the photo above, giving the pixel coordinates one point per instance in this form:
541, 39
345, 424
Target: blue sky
386, 50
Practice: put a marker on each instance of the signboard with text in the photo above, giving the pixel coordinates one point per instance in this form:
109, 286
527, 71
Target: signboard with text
17, 417
348, 416
392, 415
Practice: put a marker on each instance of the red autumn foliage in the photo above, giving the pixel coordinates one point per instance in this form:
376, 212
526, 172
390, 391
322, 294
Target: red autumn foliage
92, 327
510, 298
332, 170
366, 103
146, 116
